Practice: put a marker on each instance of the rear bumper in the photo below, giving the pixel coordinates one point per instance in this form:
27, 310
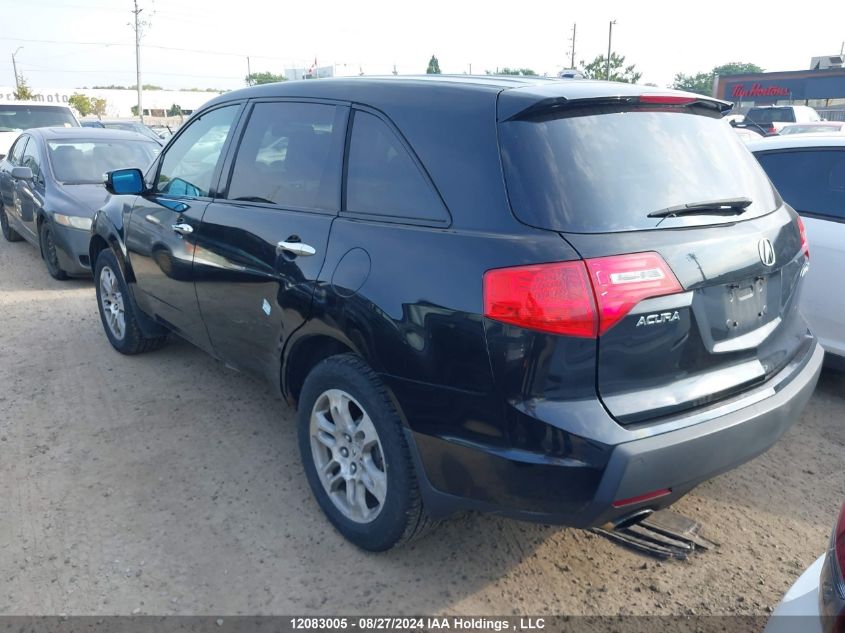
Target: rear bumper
627, 463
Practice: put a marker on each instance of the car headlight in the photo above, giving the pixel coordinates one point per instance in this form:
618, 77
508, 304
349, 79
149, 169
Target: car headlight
73, 221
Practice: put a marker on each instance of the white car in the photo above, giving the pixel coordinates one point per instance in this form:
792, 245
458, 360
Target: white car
809, 173
773, 118
17, 116
816, 602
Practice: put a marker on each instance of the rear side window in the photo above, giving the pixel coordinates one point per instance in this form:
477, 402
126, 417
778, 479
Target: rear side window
603, 172
811, 181
770, 115
286, 157
383, 178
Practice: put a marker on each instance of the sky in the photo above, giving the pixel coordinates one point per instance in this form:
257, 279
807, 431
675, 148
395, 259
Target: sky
91, 43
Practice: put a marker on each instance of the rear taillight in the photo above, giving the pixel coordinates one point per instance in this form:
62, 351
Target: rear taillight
805, 245
622, 281
660, 99
580, 298
553, 298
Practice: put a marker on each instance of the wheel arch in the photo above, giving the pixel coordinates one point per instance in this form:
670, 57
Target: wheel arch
303, 354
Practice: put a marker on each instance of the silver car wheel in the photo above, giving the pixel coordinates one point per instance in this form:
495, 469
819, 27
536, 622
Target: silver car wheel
111, 300
348, 456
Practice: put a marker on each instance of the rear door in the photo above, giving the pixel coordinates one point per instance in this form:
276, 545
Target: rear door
693, 306
7, 183
263, 240
812, 181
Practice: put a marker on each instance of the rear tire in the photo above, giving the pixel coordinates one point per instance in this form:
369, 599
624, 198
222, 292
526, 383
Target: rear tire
117, 309
10, 234
48, 251
351, 437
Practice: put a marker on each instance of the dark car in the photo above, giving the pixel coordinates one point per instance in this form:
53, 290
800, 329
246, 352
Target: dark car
132, 126
51, 183
561, 301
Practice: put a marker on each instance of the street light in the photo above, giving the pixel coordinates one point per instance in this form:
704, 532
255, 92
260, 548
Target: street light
15, 69
609, 38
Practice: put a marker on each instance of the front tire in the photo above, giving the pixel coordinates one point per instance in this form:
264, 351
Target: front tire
10, 234
117, 310
355, 455
48, 252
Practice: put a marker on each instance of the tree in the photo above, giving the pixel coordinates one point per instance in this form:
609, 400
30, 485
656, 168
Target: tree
23, 91
702, 83
255, 79
433, 66
98, 106
526, 72
81, 102
134, 110
597, 69
174, 110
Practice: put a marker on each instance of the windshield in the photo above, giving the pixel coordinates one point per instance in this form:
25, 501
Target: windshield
770, 115
14, 118
87, 161
606, 172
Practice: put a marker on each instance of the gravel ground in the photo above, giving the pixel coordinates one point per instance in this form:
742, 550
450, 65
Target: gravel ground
168, 484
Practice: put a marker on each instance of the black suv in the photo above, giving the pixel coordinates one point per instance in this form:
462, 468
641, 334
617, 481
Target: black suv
562, 301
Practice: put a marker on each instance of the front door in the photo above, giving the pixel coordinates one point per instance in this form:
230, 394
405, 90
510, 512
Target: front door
164, 223
29, 194
262, 242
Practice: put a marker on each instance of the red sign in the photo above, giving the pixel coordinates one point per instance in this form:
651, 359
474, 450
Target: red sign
757, 90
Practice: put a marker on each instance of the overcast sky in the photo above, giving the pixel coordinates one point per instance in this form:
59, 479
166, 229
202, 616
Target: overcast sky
661, 38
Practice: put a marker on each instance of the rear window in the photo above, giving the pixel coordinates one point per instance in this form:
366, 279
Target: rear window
770, 115
14, 118
811, 181
606, 172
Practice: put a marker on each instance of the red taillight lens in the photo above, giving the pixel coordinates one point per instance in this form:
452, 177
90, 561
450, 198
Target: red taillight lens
839, 543
667, 99
805, 245
622, 281
552, 298
620, 503
576, 298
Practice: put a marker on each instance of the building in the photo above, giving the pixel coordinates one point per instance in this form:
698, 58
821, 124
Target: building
822, 89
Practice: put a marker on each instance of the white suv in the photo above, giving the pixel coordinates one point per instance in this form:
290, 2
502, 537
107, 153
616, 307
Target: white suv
773, 118
17, 116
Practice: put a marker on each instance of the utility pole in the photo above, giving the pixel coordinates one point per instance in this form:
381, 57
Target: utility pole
609, 38
248, 72
572, 56
15, 69
470, 68
138, 27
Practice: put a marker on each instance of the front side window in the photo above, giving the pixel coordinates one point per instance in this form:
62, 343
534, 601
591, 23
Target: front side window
286, 157
811, 181
16, 155
190, 162
383, 178
32, 160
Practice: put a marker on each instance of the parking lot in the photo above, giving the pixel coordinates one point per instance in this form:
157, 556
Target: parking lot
167, 483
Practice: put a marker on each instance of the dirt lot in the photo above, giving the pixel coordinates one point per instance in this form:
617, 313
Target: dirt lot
168, 484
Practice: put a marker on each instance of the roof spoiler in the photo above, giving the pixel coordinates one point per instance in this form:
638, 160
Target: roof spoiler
672, 99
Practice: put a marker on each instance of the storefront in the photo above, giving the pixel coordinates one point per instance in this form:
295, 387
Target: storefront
822, 89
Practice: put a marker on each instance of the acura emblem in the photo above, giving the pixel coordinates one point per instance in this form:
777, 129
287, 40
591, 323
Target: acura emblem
767, 252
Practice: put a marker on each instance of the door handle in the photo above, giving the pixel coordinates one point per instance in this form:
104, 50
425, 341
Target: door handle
182, 229
297, 248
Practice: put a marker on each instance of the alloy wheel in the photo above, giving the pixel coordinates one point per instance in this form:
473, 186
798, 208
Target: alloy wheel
348, 455
111, 301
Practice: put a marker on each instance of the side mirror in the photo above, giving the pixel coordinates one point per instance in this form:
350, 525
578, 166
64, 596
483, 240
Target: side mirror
732, 122
21, 173
125, 182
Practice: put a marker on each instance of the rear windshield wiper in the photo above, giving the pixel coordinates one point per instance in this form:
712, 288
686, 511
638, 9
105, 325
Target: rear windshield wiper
708, 207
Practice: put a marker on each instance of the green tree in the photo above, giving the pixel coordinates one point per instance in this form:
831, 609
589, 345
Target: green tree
433, 66
81, 102
597, 69
702, 83
174, 110
98, 106
254, 79
525, 72
134, 110
23, 91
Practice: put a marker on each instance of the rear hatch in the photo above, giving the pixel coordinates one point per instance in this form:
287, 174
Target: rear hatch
694, 260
